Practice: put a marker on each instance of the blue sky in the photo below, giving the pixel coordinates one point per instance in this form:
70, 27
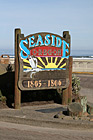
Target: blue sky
56, 16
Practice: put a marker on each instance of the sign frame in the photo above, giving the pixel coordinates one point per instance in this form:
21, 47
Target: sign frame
66, 90
22, 81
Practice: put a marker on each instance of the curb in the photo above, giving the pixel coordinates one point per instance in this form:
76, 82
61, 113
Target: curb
48, 123
91, 73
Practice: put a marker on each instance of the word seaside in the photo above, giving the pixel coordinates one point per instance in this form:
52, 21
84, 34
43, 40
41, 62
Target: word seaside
46, 45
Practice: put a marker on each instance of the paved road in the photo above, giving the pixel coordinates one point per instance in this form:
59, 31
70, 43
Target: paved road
10, 131
86, 82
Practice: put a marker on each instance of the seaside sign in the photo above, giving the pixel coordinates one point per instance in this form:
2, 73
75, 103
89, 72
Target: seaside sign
43, 61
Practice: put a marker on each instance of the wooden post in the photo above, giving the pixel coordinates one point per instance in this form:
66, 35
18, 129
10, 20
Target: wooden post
65, 91
17, 99
65, 96
70, 80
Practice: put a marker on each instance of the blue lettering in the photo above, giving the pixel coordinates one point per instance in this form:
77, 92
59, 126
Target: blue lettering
47, 40
59, 42
31, 42
39, 40
24, 49
53, 40
65, 50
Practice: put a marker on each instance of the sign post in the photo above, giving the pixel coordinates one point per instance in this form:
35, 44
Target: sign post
17, 90
41, 62
65, 91
70, 79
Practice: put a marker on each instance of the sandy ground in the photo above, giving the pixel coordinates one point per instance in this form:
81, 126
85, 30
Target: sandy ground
9, 131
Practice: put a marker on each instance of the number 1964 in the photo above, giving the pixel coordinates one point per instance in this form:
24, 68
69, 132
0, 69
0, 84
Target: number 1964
54, 83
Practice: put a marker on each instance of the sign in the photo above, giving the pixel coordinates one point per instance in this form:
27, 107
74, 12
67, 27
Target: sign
43, 61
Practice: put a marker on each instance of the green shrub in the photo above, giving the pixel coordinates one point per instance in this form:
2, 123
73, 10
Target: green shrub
75, 84
3, 99
0, 94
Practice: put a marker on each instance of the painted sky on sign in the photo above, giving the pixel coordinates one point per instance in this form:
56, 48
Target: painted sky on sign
53, 16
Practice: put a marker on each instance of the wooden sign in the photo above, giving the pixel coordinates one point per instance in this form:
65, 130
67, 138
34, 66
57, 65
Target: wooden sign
43, 61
